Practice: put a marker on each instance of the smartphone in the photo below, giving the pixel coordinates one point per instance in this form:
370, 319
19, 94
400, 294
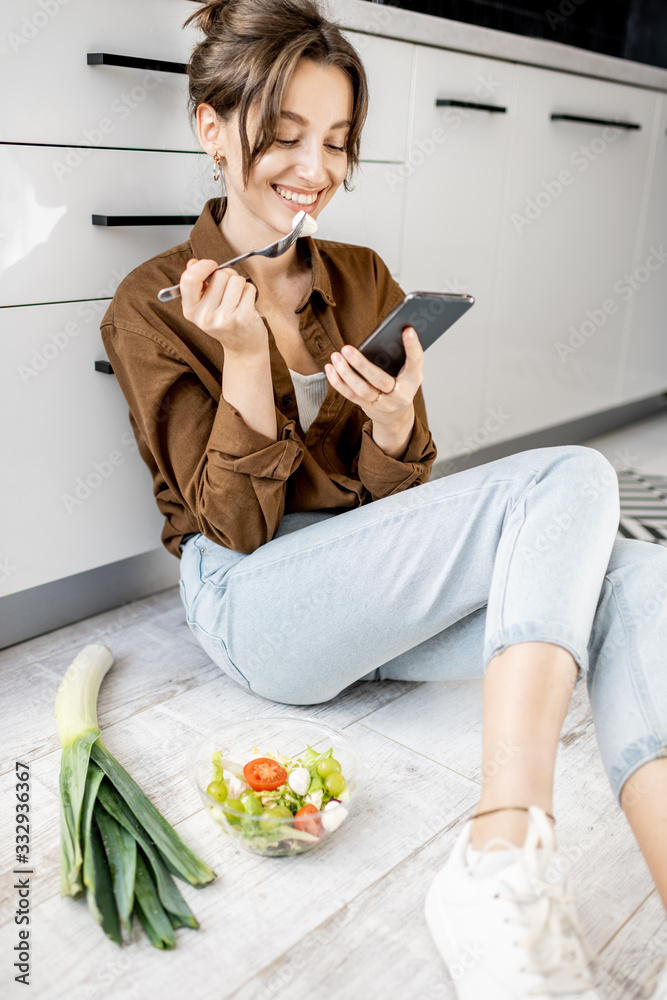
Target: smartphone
430, 313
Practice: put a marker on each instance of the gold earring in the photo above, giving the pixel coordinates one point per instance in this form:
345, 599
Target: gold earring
216, 169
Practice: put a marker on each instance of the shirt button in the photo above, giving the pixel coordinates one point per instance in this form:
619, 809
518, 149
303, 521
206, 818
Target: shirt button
287, 400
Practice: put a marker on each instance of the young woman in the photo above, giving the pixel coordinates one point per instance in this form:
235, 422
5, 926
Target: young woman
294, 479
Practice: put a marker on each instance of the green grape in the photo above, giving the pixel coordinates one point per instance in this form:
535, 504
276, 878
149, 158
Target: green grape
334, 784
237, 807
251, 803
328, 766
217, 790
273, 813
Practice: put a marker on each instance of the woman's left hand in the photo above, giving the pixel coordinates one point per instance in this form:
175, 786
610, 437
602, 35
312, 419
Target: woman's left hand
359, 380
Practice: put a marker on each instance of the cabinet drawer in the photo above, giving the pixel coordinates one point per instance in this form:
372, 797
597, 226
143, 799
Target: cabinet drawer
454, 182
388, 65
61, 99
53, 252
78, 481
644, 353
574, 202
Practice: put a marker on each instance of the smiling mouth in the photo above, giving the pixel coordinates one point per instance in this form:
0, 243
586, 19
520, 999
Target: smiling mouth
299, 201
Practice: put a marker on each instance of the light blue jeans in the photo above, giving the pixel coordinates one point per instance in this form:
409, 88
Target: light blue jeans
431, 583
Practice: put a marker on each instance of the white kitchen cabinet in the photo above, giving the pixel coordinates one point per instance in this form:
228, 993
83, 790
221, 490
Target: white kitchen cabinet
59, 98
368, 216
644, 354
571, 219
81, 496
53, 252
388, 65
454, 180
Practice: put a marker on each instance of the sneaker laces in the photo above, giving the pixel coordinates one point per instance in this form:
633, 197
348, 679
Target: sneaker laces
557, 949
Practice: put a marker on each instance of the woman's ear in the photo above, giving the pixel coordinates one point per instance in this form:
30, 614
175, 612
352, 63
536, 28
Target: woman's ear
211, 132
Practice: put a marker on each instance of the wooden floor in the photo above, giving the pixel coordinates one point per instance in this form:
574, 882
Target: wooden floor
345, 921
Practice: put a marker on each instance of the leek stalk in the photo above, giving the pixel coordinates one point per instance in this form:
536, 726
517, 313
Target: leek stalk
111, 835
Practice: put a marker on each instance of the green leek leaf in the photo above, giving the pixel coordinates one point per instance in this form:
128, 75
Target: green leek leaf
175, 851
96, 874
120, 848
168, 891
73, 770
156, 923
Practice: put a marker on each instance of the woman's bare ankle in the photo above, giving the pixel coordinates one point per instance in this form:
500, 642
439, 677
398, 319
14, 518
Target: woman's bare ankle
510, 825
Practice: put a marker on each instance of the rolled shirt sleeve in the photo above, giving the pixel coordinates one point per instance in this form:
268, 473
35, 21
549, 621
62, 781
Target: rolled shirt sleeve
229, 477
382, 475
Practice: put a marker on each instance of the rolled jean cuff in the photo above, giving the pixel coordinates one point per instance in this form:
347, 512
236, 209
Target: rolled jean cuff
648, 749
538, 632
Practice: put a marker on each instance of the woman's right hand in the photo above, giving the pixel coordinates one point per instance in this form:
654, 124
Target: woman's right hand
223, 307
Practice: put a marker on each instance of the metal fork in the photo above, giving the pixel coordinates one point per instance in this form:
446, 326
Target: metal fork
273, 250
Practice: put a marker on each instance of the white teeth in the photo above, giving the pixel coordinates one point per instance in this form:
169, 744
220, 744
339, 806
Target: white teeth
299, 199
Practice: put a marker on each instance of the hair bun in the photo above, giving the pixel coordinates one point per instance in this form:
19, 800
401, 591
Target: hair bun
209, 15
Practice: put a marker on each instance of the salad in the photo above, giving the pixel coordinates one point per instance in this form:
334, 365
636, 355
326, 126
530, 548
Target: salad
278, 804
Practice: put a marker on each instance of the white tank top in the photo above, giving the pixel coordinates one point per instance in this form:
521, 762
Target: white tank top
310, 391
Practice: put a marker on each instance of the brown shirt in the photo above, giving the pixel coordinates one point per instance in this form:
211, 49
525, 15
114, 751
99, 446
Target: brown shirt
212, 472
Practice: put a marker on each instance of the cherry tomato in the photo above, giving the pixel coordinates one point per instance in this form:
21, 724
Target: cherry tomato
302, 820
264, 774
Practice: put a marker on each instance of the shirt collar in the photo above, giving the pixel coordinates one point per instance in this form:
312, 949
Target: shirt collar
208, 242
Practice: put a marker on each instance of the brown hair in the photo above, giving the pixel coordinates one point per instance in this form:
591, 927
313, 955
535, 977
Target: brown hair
251, 50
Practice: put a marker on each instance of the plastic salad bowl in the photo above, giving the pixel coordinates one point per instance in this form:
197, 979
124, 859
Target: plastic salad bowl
254, 805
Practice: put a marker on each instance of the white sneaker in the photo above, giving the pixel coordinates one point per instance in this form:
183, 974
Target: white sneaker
504, 931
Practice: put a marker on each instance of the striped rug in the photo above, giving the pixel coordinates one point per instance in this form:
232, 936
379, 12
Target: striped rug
643, 506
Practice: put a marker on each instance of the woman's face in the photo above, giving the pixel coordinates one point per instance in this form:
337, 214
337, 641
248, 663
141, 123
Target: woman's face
307, 157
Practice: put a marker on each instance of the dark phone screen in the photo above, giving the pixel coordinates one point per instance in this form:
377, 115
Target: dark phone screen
430, 313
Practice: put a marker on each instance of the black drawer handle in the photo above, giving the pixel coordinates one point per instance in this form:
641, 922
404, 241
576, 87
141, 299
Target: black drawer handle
441, 102
135, 62
104, 366
144, 220
594, 121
